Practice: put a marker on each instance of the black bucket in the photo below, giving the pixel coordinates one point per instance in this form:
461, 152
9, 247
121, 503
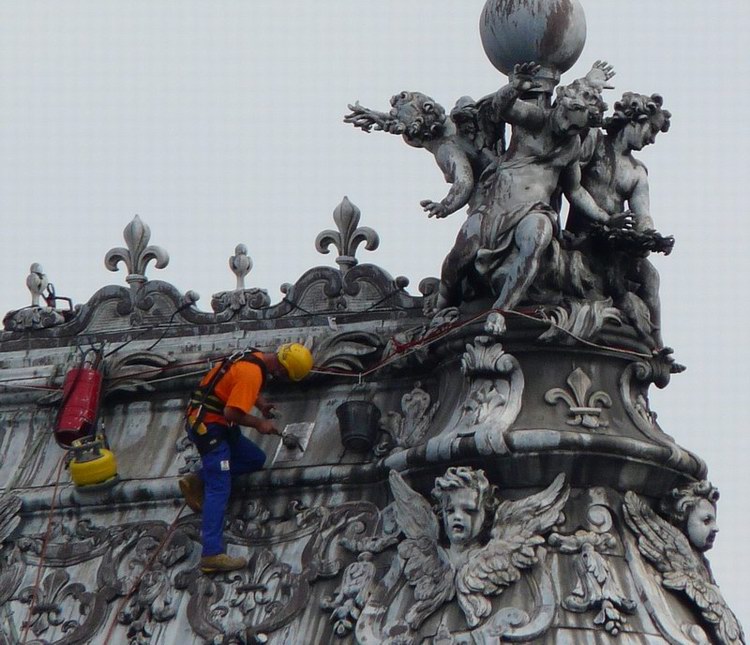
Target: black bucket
358, 423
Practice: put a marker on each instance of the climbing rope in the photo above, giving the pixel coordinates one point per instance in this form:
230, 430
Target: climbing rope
401, 350
167, 535
42, 553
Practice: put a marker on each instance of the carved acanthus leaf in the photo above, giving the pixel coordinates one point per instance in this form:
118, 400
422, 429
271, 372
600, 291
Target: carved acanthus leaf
10, 509
32, 318
347, 350
134, 371
596, 588
486, 357
410, 428
580, 320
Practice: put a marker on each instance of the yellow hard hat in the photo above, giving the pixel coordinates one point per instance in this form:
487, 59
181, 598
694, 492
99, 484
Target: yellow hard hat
296, 359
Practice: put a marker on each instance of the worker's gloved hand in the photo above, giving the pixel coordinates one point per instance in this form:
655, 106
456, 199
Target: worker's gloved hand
266, 426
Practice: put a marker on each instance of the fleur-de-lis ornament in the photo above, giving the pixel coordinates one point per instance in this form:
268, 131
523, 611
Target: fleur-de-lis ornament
348, 237
138, 254
583, 411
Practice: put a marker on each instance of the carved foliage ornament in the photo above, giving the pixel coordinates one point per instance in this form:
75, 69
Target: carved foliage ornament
11, 570
409, 428
596, 588
492, 399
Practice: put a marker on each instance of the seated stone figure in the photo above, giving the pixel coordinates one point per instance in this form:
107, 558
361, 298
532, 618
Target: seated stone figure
513, 214
613, 177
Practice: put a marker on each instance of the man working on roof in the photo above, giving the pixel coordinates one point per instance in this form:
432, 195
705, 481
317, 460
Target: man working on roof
218, 407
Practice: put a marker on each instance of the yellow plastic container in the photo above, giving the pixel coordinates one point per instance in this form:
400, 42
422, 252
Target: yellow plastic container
92, 464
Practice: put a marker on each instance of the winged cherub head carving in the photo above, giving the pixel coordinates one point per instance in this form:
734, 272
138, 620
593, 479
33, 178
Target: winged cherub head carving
464, 497
693, 509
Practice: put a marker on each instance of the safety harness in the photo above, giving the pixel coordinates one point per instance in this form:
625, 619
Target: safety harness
203, 400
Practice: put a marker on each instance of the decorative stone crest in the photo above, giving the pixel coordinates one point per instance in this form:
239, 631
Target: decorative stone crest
348, 236
492, 397
596, 588
243, 302
585, 407
32, 318
137, 255
409, 428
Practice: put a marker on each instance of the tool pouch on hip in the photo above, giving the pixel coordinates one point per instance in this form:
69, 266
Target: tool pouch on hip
206, 437
205, 443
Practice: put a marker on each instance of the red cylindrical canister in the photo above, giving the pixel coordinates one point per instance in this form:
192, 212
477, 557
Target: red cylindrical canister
80, 405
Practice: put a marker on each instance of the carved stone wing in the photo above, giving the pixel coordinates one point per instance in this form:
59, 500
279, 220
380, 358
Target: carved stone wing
10, 507
517, 531
490, 128
667, 548
428, 570
413, 512
426, 564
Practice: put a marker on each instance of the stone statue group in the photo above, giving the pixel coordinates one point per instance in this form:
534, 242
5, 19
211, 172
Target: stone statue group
512, 246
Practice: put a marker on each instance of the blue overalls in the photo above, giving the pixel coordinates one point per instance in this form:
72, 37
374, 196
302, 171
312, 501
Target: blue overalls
234, 455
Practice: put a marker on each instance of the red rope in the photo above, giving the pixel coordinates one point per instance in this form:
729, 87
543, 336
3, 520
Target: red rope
45, 542
134, 586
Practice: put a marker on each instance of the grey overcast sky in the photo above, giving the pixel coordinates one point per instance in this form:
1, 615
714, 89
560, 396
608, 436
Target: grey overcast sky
221, 122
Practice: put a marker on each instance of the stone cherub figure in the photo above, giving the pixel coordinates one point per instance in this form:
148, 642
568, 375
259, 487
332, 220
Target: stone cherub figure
514, 215
676, 548
469, 564
612, 176
513, 194
463, 144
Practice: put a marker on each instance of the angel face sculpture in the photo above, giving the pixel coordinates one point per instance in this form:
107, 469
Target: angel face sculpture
463, 494
693, 509
471, 569
675, 556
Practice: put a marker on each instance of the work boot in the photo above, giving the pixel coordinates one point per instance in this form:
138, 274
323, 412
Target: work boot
191, 487
221, 562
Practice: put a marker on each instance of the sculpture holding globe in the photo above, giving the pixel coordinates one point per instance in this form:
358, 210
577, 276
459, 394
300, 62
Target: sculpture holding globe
512, 246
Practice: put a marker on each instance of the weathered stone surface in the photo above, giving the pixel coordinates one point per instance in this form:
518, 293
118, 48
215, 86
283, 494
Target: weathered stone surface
518, 487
